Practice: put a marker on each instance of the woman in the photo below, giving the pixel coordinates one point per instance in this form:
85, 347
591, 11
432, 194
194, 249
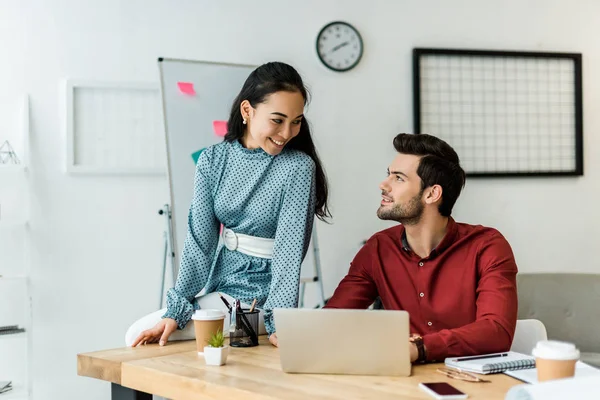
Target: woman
264, 183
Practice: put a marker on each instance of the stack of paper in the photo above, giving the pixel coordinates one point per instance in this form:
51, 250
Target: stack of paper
582, 370
585, 388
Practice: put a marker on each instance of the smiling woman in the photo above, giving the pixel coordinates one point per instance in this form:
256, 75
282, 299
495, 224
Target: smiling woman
269, 126
264, 183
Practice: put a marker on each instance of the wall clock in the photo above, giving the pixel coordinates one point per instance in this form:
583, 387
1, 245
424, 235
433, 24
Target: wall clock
339, 46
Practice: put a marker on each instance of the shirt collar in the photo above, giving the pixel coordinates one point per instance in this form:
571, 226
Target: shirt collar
447, 240
253, 154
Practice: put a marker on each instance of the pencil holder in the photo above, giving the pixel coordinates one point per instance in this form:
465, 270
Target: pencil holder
245, 333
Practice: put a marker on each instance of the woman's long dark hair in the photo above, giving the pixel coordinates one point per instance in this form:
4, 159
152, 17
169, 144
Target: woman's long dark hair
263, 81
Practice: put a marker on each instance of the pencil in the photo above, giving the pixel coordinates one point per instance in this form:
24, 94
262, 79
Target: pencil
253, 305
244, 321
482, 357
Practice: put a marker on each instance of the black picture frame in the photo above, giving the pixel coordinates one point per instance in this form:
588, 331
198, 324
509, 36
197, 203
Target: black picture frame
419, 54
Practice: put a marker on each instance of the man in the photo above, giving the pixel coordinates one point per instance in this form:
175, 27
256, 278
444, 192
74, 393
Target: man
457, 281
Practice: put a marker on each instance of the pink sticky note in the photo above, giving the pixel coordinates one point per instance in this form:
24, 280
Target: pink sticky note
220, 127
186, 87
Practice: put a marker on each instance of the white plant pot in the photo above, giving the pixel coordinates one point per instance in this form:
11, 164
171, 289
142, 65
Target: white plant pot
215, 355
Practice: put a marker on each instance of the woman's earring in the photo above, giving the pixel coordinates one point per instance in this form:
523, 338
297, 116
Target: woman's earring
244, 121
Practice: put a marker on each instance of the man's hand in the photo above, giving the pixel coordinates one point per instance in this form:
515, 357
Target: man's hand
161, 331
273, 339
414, 352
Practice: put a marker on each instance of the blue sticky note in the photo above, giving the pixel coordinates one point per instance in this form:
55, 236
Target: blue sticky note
196, 155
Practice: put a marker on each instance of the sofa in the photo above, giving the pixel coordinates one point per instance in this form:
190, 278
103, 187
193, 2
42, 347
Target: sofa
569, 307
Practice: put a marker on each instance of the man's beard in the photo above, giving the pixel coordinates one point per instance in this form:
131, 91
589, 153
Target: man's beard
406, 214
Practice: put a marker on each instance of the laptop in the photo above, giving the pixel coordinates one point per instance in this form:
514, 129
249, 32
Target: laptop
333, 341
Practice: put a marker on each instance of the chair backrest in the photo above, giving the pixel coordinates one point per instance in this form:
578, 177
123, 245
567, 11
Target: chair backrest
567, 304
527, 334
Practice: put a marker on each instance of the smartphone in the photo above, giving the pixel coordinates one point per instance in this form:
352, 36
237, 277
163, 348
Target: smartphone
442, 390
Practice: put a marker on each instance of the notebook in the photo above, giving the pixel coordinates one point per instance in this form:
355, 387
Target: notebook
492, 363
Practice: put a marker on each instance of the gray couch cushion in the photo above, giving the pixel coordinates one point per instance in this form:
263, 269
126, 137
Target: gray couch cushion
591, 358
567, 304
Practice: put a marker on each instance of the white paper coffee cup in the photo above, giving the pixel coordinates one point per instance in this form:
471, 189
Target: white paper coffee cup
206, 324
555, 359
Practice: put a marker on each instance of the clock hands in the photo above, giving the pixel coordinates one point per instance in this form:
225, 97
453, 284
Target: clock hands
339, 46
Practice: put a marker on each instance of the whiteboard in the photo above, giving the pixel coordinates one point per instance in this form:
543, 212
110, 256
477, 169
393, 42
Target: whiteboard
194, 95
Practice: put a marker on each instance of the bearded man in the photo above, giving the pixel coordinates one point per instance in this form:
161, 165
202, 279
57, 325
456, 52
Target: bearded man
457, 281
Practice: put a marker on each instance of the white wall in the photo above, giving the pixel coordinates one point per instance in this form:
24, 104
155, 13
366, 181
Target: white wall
98, 241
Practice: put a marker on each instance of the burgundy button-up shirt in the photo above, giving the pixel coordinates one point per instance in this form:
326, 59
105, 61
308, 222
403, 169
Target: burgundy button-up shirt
462, 298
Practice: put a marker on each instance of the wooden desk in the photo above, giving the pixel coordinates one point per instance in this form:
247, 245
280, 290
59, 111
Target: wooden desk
176, 371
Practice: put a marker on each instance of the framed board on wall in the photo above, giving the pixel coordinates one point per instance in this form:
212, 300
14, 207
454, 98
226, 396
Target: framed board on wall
506, 113
114, 128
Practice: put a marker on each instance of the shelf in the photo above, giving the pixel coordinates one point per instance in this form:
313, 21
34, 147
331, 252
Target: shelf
14, 336
14, 230
19, 392
13, 277
10, 223
12, 168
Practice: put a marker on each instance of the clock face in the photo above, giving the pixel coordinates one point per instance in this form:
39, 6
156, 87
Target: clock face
339, 46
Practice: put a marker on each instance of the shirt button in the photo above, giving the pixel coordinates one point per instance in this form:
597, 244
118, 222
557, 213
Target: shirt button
429, 323
422, 294
421, 264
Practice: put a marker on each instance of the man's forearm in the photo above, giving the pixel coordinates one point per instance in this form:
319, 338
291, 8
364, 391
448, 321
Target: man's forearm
481, 337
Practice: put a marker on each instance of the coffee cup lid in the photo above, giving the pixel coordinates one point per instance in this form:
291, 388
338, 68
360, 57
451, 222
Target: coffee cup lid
208, 315
555, 350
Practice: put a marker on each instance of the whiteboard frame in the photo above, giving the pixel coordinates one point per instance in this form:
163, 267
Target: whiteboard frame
174, 210
71, 168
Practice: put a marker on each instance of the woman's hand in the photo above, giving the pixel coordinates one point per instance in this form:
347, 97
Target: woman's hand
160, 332
273, 339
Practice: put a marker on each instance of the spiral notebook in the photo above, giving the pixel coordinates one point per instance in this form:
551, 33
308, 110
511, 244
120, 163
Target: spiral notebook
492, 363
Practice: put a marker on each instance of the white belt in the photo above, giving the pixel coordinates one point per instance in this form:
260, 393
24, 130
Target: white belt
246, 244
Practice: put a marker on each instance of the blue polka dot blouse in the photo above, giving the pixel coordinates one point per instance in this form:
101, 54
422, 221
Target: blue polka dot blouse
253, 193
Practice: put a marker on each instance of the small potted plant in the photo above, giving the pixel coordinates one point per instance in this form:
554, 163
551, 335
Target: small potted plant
216, 351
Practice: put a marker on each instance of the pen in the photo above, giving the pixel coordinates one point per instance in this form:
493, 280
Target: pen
244, 321
482, 357
225, 301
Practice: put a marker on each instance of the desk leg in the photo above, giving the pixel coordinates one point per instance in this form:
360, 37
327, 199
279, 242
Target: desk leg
119, 392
